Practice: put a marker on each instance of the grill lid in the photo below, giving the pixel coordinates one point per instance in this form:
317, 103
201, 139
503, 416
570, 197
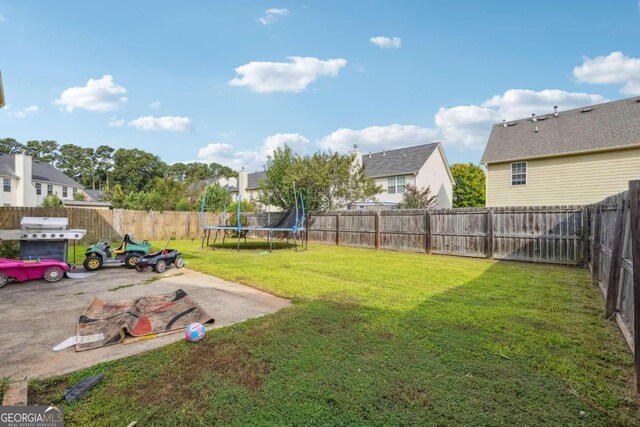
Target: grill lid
43, 223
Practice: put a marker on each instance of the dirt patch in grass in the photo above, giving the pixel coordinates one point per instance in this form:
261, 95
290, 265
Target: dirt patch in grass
48, 391
225, 361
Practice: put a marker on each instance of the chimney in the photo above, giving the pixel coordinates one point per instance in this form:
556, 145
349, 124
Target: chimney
25, 190
243, 181
357, 157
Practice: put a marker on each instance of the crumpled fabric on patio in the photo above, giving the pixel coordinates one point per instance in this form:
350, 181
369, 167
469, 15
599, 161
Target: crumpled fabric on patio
138, 317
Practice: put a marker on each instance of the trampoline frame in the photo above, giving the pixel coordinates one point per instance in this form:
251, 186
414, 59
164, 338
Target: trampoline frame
292, 232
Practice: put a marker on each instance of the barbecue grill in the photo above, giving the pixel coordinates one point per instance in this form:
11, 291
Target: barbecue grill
43, 237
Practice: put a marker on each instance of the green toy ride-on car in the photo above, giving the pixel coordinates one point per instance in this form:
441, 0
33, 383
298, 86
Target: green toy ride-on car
127, 253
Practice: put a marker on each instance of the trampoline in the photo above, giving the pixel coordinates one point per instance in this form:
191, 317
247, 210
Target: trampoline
291, 222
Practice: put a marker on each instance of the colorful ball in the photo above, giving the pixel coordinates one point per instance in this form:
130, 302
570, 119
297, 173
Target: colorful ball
194, 332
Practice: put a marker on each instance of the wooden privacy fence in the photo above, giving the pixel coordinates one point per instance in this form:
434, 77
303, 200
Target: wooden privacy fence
113, 224
614, 260
540, 234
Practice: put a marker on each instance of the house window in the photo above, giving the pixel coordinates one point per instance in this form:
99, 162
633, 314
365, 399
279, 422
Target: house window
38, 188
75, 190
64, 192
6, 184
395, 184
49, 188
519, 173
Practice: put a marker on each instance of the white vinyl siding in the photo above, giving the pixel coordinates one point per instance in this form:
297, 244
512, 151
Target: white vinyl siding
519, 173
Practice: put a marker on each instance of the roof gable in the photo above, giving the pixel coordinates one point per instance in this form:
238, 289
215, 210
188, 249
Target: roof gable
40, 171
604, 126
397, 162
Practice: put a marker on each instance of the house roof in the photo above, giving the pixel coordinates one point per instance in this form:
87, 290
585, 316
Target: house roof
83, 203
604, 126
253, 179
94, 195
397, 162
40, 171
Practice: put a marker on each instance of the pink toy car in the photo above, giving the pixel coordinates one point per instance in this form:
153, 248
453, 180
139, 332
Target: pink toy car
48, 269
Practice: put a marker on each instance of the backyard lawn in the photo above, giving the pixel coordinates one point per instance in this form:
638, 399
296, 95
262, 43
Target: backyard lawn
379, 338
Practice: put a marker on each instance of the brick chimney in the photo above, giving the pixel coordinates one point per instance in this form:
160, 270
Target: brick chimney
25, 190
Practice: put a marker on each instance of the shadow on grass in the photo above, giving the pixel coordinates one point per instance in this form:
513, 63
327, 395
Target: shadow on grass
516, 346
261, 245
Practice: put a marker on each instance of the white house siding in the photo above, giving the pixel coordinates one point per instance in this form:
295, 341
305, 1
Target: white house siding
434, 175
8, 198
57, 189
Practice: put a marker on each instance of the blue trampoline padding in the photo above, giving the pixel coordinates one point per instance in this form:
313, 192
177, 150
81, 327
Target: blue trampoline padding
220, 227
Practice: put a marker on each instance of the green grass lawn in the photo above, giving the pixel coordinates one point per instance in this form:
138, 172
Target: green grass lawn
379, 338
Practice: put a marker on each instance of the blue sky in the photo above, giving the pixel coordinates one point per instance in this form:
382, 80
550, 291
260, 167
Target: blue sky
228, 81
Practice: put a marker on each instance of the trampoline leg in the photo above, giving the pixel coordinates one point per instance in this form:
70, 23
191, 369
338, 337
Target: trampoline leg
239, 236
224, 237
270, 238
208, 237
204, 236
215, 239
295, 241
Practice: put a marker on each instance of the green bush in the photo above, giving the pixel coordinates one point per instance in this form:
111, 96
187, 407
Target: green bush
9, 250
51, 201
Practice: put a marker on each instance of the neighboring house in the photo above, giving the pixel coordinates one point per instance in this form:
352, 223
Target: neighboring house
93, 195
569, 157
422, 165
26, 182
86, 204
195, 189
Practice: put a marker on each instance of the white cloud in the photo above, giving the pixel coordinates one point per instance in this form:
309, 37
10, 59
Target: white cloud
610, 69
387, 42
294, 76
25, 112
462, 126
165, 123
377, 138
98, 95
272, 15
115, 122
466, 125
155, 104
2, 18
253, 159
521, 103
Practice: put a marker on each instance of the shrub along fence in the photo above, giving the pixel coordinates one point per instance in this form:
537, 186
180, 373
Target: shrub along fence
553, 234
113, 224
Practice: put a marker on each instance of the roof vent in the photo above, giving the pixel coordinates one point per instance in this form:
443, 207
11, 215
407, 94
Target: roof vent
533, 117
543, 118
369, 154
504, 123
383, 153
555, 111
404, 156
586, 110
355, 147
536, 131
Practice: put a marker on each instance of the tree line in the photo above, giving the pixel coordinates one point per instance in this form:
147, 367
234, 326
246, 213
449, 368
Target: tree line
136, 179
130, 178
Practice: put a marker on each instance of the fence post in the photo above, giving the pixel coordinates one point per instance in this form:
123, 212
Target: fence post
490, 233
427, 231
377, 224
595, 257
634, 201
613, 285
338, 229
585, 237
